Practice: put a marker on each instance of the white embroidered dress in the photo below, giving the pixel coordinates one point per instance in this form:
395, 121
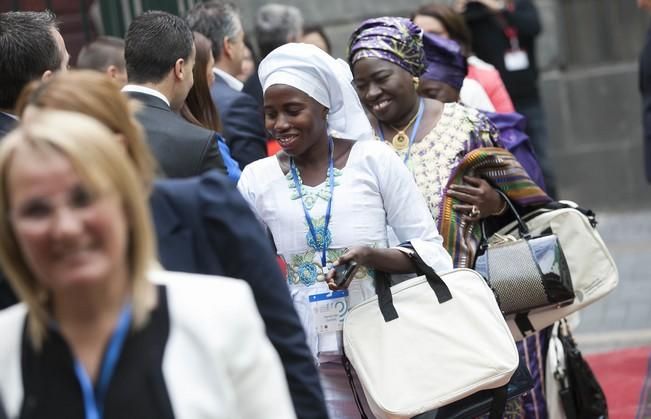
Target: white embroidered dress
372, 191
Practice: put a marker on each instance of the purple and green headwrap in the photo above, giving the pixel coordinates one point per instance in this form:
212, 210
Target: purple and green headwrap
393, 39
445, 62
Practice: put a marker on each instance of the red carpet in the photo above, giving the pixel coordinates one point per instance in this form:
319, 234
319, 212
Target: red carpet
625, 376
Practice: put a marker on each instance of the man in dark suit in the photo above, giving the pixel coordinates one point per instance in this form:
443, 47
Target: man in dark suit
32, 48
275, 25
159, 53
240, 114
204, 226
37, 50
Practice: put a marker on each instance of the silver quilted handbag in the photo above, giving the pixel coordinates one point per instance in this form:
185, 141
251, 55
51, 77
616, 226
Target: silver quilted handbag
526, 272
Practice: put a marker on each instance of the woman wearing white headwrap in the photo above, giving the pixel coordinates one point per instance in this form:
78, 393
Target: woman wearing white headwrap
328, 198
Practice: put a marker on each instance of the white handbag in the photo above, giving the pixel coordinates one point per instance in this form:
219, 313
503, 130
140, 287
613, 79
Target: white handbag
592, 268
427, 342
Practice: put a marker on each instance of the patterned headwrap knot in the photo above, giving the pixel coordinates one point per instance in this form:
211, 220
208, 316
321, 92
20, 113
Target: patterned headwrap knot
394, 39
445, 62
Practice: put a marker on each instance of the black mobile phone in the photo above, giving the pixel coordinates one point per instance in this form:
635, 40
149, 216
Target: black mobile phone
345, 273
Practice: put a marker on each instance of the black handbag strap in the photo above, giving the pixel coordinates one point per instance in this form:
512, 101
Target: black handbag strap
522, 226
384, 296
498, 405
524, 324
383, 287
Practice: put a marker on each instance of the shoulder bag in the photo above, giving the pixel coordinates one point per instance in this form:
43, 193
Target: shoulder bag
428, 342
591, 266
573, 391
526, 272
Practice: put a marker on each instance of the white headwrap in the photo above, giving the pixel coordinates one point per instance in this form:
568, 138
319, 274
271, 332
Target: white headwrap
323, 78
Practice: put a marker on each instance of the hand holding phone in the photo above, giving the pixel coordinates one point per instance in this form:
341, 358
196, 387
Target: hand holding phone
345, 273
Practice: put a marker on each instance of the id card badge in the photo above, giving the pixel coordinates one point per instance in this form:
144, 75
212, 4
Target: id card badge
329, 309
516, 60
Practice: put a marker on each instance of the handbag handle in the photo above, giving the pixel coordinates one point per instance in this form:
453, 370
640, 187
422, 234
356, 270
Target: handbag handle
522, 226
383, 289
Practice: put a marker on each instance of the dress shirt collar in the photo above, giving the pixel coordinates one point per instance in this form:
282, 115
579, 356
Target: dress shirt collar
145, 90
229, 79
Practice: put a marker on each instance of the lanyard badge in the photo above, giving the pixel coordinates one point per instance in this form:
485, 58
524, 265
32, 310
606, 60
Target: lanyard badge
515, 59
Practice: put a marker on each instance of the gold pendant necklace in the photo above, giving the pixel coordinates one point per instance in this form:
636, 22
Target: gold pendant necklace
400, 141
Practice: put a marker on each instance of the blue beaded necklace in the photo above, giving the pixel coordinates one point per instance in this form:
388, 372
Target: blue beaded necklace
321, 237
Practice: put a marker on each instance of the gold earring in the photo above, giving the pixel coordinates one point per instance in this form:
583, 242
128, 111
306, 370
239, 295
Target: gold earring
416, 82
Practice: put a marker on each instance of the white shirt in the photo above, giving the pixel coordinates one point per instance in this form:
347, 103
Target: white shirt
373, 190
145, 90
473, 94
229, 79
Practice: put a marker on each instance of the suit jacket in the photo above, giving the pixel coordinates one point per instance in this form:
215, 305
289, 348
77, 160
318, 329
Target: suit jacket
205, 226
253, 88
6, 124
7, 296
243, 122
181, 148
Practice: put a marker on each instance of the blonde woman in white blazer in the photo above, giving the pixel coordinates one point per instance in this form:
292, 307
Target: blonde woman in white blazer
99, 334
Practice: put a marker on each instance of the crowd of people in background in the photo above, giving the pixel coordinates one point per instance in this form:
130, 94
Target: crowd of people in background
138, 183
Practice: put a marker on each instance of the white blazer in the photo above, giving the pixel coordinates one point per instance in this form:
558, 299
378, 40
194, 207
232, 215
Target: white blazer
217, 363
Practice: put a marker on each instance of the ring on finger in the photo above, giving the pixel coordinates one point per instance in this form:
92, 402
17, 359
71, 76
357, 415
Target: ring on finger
474, 211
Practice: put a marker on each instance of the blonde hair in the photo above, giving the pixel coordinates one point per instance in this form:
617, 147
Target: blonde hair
101, 163
96, 95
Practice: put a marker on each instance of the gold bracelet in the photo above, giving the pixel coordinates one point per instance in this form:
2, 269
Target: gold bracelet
501, 210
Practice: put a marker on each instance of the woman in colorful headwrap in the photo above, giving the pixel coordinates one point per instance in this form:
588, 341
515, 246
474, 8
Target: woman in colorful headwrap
328, 199
442, 20
447, 81
444, 80
449, 148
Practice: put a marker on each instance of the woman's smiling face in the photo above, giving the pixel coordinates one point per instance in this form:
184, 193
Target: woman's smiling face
68, 234
293, 118
385, 89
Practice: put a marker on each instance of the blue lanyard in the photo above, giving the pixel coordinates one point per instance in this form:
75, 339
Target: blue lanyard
94, 399
331, 186
412, 137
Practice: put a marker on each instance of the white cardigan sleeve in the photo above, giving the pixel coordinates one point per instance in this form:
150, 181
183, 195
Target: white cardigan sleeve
219, 362
255, 368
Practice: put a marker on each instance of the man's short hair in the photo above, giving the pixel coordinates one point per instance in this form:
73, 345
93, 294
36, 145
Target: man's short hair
154, 42
215, 20
275, 25
27, 50
102, 53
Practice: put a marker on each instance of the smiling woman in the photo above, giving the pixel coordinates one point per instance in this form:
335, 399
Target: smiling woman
107, 331
328, 199
65, 224
430, 137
